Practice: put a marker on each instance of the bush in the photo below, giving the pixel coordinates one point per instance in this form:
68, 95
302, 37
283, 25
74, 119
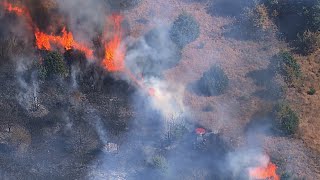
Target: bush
286, 119
308, 42
53, 64
213, 82
184, 30
286, 65
311, 91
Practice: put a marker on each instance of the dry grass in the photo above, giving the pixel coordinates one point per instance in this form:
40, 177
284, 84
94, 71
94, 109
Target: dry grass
233, 110
308, 105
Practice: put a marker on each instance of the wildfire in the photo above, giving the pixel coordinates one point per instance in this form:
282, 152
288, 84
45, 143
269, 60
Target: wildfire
65, 40
262, 173
13, 9
114, 53
45, 41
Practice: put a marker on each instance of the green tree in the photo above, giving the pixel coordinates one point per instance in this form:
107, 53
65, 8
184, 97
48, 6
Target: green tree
184, 30
286, 119
53, 64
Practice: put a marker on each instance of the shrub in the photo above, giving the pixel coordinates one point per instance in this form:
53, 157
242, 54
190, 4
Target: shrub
213, 82
311, 91
184, 30
286, 65
53, 64
308, 42
286, 119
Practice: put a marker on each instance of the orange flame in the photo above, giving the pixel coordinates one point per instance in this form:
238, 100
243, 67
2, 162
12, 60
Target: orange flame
43, 40
114, 53
268, 172
66, 40
13, 9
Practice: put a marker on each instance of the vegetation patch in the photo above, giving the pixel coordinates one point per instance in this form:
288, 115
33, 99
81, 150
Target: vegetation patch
285, 119
185, 29
286, 65
54, 65
311, 91
213, 82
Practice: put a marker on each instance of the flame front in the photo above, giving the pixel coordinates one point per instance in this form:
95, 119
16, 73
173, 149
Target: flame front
65, 40
268, 172
114, 53
113, 60
45, 41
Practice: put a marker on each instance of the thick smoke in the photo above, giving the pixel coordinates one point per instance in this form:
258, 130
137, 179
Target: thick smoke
149, 57
86, 19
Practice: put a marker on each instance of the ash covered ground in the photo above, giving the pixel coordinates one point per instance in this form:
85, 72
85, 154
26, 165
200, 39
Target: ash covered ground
147, 89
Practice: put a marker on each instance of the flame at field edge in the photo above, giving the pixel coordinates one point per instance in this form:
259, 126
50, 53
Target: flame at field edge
261, 173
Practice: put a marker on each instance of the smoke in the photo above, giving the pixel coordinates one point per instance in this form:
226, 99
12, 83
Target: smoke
148, 58
75, 71
241, 160
93, 118
28, 96
85, 18
157, 138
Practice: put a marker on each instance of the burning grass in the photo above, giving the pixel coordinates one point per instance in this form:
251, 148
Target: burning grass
264, 172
